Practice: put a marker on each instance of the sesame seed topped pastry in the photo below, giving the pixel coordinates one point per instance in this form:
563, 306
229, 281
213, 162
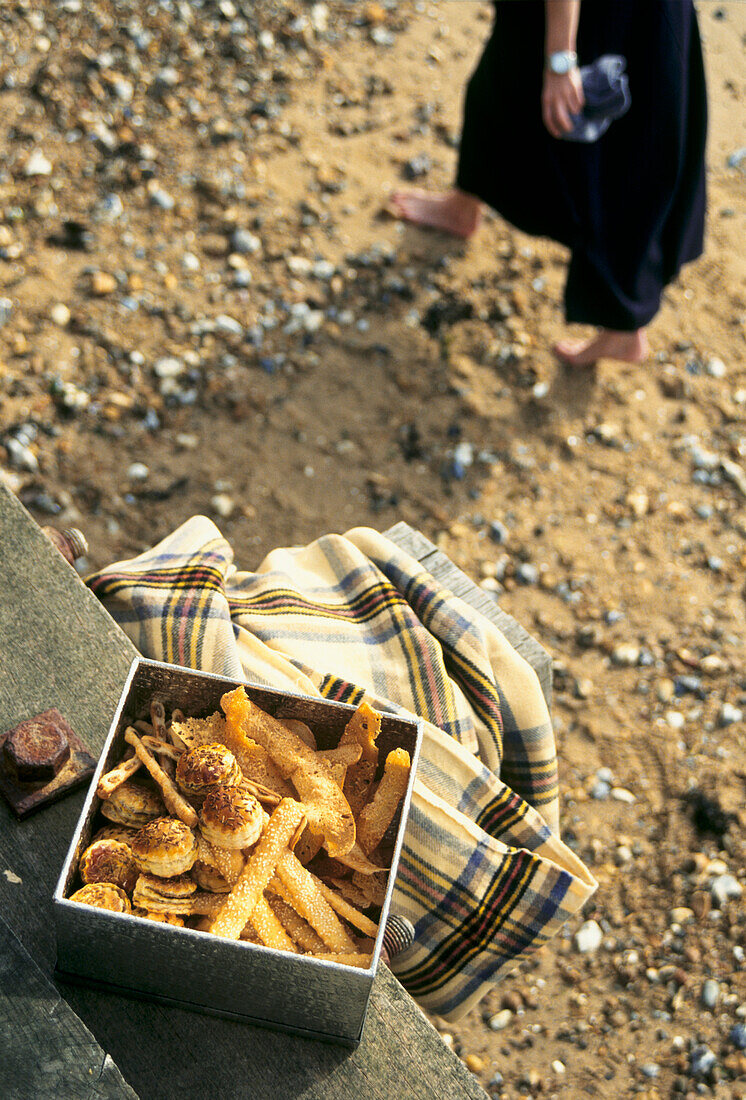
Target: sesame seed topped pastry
104, 895
109, 861
231, 818
165, 847
207, 766
133, 804
229, 862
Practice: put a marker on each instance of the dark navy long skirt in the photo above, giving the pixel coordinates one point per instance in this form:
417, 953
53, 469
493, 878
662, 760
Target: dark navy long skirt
631, 206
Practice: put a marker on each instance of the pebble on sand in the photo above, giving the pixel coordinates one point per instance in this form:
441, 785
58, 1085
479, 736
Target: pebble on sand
710, 993
60, 314
475, 1063
224, 505
589, 937
102, 283
501, 1019
724, 888
38, 164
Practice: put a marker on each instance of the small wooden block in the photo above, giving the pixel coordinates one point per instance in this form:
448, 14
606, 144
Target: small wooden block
25, 798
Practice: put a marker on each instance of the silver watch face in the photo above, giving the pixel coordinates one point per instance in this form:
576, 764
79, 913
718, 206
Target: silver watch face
562, 62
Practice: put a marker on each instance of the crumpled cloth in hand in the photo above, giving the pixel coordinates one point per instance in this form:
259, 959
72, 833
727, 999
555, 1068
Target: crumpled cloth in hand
483, 875
606, 91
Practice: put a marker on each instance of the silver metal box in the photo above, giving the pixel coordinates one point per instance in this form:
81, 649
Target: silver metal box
196, 970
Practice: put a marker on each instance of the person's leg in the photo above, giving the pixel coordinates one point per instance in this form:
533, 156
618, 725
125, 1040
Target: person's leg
595, 295
455, 212
638, 227
629, 347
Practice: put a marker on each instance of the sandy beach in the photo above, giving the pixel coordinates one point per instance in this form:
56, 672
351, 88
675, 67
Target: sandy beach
206, 307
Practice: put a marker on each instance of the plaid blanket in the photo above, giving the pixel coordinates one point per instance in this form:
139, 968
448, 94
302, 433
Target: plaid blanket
483, 875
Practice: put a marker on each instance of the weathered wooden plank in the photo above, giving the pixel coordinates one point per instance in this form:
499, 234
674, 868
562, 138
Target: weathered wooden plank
46, 1050
178, 1055
61, 648
443, 569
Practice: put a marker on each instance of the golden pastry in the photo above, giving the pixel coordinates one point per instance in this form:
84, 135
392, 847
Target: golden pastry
133, 804
161, 918
109, 861
231, 818
164, 847
114, 832
104, 895
206, 766
179, 897
209, 878
176, 888
174, 800
228, 861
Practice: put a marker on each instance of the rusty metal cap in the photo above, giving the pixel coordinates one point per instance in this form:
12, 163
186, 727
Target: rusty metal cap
36, 749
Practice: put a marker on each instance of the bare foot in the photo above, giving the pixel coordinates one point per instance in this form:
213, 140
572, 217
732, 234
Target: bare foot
630, 347
454, 212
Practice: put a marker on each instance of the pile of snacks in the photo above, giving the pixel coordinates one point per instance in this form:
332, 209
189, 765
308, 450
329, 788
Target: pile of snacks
238, 825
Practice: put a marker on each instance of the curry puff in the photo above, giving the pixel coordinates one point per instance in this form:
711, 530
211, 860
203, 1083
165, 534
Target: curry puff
104, 895
205, 767
165, 847
109, 861
133, 804
231, 818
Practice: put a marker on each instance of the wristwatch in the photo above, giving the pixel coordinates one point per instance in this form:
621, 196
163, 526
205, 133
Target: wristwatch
562, 61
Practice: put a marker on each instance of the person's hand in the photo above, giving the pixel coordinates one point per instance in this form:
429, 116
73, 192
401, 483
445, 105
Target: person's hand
561, 97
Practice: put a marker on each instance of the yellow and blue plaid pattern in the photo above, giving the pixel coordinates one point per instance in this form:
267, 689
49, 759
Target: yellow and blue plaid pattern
483, 875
